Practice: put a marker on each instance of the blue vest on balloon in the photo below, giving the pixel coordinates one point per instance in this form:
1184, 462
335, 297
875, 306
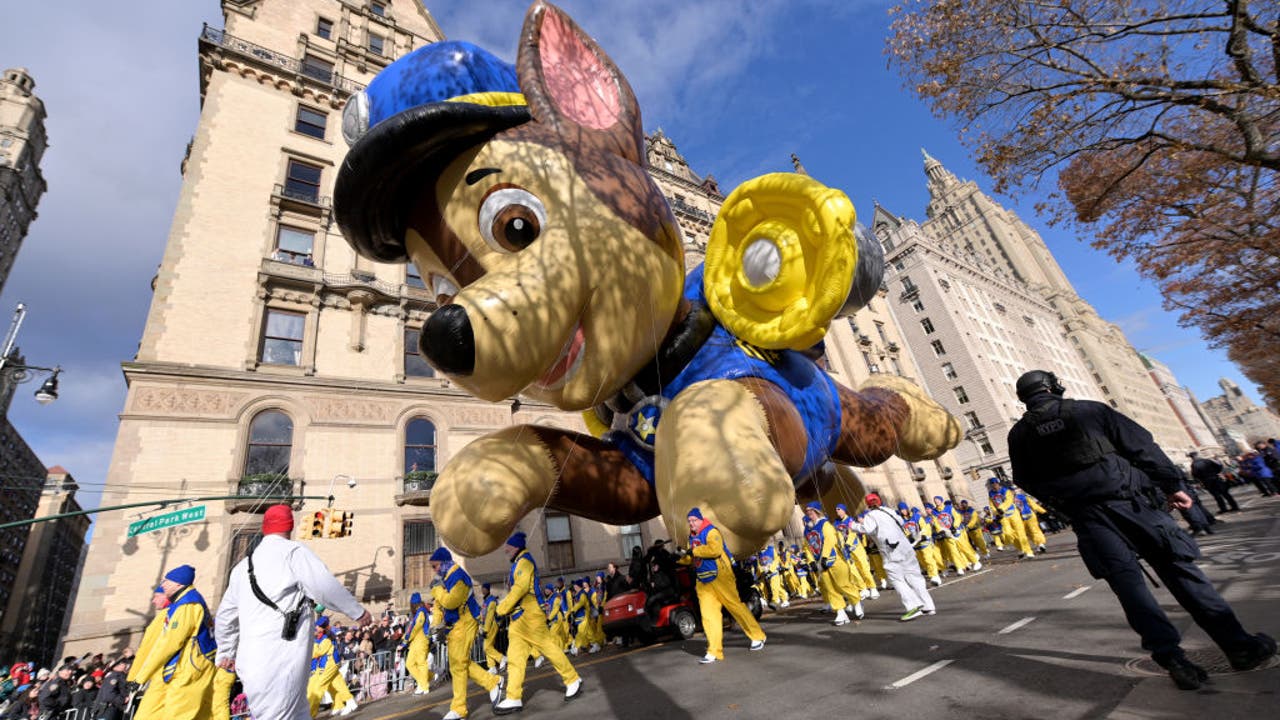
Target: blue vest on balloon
523, 555
707, 567
203, 639
725, 357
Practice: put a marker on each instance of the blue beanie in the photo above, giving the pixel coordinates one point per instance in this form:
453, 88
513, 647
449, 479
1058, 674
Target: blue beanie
441, 554
903, 506
600, 574
841, 506
695, 512
814, 505
415, 598
937, 497
183, 575
487, 586
548, 586
518, 541
322, 622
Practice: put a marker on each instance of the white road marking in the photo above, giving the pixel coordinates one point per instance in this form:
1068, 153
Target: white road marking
919, 674
1077, 592
1024, 621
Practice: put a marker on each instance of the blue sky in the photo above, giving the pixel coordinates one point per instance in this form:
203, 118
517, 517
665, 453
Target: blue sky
738, 93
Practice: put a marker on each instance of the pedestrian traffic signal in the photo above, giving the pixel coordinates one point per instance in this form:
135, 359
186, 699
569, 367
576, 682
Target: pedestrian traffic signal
346, 524
320, 523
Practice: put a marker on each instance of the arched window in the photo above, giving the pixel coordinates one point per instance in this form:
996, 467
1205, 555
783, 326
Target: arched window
270, 444
419, 446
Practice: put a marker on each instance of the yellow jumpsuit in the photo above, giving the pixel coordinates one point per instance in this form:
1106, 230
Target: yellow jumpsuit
877, 565
528, 630
808, 583
1031, 521
325, 677
415, 662
580, 612
1011, 521
596, 615
152, 705
491, 653
836, 581
952, 551
456, 601
222, 682
717, 589
926, 553
770, 568
859, 562
559, 619
188, 692
973, 528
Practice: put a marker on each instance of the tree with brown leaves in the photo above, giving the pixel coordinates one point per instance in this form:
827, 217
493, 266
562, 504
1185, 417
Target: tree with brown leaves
1160, 122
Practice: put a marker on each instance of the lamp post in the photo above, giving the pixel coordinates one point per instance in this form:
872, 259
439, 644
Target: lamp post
14, 370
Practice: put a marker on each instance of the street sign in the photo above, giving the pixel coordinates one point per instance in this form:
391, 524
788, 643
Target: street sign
160, 522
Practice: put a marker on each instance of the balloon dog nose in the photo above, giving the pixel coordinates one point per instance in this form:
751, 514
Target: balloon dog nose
447, 341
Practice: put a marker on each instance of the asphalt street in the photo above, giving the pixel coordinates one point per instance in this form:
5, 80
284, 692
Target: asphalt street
1019, 639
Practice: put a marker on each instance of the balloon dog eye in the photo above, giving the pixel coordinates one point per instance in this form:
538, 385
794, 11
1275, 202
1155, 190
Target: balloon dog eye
511, 218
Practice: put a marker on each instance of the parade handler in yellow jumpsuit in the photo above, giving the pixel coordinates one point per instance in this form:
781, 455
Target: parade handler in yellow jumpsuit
488, 610
181, 658
1003, 500
837, 578
325, 674
972, 520
459, 611
716, 587
528, 630
418, 643
1028, 509
152, 705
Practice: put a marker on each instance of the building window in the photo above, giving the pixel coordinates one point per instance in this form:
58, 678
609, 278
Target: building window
317, 69
270, 444
907, 284
376, 44
414, 365
918, 306
412, 278
937, 347
310, 122
961, 395
893, 363
419, 446
559, 541
984, 445
631, 538
880, 329
324, 28
302, 181
243, 542
419, 542
294, 245
282, 338
927, 324
971, 417
379, 9
949, 371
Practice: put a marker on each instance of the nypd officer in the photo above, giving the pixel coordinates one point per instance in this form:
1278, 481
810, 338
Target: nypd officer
1101, 469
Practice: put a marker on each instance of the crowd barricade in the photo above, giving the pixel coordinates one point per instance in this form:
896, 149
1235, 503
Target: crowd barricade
375, 676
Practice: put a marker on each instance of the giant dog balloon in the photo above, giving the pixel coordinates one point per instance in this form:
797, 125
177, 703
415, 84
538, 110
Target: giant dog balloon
521, 195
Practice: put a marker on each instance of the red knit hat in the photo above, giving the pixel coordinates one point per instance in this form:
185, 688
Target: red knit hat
277, 519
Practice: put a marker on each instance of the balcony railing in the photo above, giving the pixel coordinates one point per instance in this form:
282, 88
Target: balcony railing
696, 213
415, 487
307, 198
261, 491
271, 58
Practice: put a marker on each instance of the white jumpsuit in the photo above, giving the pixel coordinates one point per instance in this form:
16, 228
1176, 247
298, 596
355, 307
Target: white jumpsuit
900, 562
274, 671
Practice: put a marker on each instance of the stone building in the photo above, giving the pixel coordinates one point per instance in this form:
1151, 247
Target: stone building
275, 362
1184, 408
22, 145
33, 622
974, 329
24, 476
1237, 418
972, 230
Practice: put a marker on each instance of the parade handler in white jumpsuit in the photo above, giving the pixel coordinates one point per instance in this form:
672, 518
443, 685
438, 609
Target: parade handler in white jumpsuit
272, 669
900, 562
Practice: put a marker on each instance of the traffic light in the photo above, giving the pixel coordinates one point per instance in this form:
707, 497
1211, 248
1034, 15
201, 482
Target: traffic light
346, 523
320, 523
336, 520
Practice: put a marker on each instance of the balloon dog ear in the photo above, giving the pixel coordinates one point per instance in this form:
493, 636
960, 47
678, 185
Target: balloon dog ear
574, 87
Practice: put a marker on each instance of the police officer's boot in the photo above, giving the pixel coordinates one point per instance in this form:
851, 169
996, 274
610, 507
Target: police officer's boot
1255, 655
1186, 674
